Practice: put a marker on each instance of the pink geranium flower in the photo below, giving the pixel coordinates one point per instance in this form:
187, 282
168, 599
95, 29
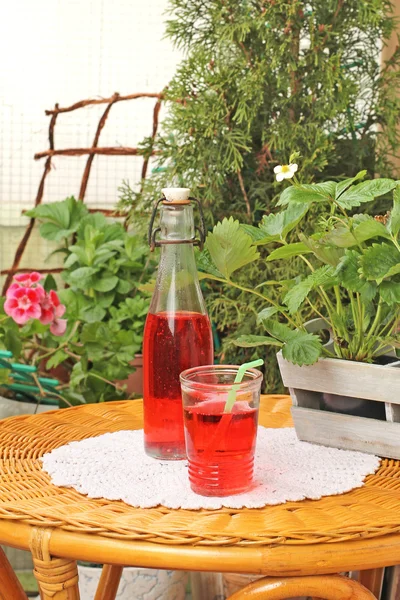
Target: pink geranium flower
58, 326
26, 299
23, 304
28, 279
51, 308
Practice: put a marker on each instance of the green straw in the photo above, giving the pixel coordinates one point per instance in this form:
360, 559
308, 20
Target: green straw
238, 379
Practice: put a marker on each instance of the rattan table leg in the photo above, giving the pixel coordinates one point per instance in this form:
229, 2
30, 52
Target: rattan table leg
109, 582
10, 587
326, 587
57, 577
372, 579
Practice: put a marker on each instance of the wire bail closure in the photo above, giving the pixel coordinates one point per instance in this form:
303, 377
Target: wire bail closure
151, 237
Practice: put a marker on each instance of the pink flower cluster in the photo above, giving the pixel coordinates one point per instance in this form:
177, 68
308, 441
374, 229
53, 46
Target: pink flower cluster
26, 299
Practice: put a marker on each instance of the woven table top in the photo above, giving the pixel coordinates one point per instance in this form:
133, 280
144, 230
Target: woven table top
27, 496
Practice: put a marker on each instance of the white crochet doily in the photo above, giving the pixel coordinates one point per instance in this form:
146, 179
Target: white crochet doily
114, 466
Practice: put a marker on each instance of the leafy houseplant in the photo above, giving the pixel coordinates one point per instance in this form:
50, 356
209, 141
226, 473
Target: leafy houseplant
104, 268
353, 262
354, 275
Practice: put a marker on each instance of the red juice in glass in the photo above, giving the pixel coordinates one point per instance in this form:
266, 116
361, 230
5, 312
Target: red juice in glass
172, 343
220, 445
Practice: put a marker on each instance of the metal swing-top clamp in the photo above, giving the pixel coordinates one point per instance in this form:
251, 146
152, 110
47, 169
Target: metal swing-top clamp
175, 196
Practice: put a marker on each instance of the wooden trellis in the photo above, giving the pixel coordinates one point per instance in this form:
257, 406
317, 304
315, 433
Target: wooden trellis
91, 152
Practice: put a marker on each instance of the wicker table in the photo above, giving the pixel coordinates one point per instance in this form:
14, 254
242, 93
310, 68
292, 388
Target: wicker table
294, 544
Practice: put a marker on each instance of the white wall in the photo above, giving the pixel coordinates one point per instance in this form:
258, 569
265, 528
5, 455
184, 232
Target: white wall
64, 51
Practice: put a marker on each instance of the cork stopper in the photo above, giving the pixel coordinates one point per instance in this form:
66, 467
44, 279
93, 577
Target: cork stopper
176, 195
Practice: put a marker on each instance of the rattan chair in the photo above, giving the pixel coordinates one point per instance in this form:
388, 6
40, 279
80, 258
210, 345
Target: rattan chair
334, 587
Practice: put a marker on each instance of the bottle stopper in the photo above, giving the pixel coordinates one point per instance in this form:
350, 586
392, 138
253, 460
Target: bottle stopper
176, 195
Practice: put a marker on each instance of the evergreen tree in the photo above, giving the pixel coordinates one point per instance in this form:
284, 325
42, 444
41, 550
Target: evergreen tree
263, 78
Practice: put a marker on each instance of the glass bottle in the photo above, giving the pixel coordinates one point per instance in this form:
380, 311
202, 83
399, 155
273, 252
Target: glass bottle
177, 333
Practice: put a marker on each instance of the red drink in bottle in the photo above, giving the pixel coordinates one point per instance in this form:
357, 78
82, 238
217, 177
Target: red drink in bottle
175, 341
177, 333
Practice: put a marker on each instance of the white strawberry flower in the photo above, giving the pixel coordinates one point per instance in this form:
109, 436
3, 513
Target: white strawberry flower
285, 171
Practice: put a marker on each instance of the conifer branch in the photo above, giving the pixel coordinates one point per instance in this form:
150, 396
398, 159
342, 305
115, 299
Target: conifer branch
246, 199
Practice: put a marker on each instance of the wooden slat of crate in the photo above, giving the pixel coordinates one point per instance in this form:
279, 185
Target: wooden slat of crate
347, 431
344, 377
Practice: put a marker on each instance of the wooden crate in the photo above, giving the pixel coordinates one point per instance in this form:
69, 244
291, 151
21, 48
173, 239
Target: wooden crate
348, 378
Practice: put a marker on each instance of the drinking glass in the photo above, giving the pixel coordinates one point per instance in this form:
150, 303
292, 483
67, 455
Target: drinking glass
220, 445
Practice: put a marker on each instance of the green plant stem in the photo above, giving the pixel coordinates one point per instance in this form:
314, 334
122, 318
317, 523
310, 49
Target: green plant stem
250, 291
64, 344
72, 354
391, 326
90, 374
328, 353
339, 207
52, 393
315, 309
376, 320
395, 242
320, 290
339, 305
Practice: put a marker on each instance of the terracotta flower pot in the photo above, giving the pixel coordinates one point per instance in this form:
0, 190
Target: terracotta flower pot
134, 382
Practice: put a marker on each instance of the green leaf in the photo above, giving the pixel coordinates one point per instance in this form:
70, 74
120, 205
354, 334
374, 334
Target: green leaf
308, 193
394, 220
363, 228
106, 299
348, 271
13, 342
105, 283
75, 302
266, 313
52, 232
275, 227
343, 185
378, 261
395, 270
62, 219
204, 263
71, 399
124, 286
254, 232
49, 283
302, 348
78, 375
252, 341
326, 254
56, 212
82, 253
5, 376
297, 249
279, 330
56, 359
230, 247
70, 260
298, 293
390, 292
102, 256
92, 314
349, 275
365, 192
82, 277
